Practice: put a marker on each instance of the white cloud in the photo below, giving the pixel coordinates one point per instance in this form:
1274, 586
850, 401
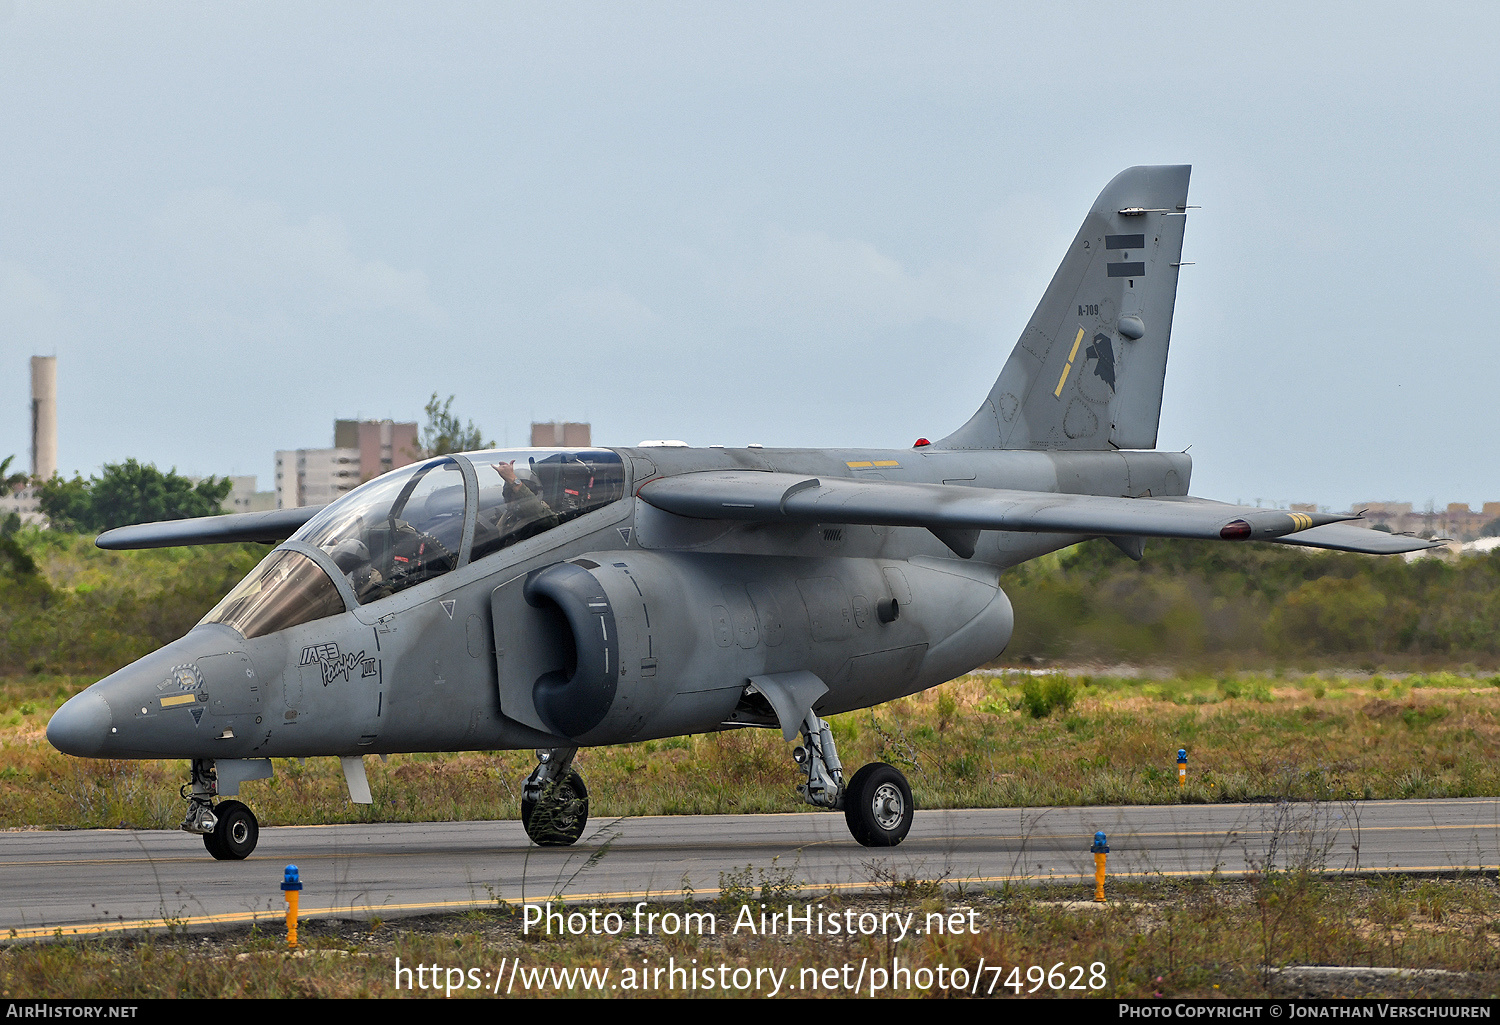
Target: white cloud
254, 251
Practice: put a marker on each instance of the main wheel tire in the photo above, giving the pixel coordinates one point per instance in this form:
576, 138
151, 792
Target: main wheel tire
557, 819
236, 834
878, 805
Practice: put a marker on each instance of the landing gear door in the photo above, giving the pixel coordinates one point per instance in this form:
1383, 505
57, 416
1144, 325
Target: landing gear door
529, 643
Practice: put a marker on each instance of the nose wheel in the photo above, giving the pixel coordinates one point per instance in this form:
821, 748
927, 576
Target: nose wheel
235, 834
229, 829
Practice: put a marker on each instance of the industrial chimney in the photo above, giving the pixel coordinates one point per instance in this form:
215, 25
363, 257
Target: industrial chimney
43, 417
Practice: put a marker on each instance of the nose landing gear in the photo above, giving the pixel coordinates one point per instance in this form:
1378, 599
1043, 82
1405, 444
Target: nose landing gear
230, 830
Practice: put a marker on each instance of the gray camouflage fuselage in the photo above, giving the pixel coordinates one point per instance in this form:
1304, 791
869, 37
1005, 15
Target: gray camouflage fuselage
698, 608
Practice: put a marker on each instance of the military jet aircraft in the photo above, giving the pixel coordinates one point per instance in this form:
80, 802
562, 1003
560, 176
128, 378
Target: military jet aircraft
564, 598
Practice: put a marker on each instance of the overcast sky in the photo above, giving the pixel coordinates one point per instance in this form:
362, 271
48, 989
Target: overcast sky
793, 224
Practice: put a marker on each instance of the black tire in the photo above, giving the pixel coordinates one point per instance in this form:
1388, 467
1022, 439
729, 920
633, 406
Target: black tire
878, 805
236, 834
559, 817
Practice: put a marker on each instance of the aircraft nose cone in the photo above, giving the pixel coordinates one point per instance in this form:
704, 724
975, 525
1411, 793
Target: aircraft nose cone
81, 726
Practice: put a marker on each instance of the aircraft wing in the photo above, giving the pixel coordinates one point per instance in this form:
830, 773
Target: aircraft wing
949, 510
1350, 537
270, 526
1340, 536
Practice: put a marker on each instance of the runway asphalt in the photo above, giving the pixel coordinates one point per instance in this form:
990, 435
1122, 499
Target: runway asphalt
88, 882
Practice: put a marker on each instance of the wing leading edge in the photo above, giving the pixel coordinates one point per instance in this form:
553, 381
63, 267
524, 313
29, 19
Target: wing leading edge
951, 511
270, 527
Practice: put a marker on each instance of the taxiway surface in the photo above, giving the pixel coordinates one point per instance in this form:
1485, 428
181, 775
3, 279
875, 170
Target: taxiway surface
93, 881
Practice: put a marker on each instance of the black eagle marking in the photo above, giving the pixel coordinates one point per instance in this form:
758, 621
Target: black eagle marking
1104, 354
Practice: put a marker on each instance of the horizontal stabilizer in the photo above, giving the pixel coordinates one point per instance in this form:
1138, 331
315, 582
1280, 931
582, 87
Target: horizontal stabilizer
269, 527
791, 498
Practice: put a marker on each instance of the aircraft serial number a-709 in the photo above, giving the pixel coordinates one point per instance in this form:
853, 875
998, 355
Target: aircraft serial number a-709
564, 598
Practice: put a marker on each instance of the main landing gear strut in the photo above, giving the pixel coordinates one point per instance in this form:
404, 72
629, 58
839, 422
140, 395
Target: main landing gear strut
229, 829
554, 801
877, 802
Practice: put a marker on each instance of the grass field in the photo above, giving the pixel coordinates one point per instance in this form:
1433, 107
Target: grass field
1008, 739
1207, 939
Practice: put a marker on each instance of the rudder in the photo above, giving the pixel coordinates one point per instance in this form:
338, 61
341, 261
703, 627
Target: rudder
1088, 370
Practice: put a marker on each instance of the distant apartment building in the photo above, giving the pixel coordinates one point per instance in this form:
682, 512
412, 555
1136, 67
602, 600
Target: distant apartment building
558, 434
1457, 520
25, 504
315, 476
242, 495
382, 444
362, 450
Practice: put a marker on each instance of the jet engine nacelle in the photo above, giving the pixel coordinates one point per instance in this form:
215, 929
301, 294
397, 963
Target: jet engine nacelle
613, 647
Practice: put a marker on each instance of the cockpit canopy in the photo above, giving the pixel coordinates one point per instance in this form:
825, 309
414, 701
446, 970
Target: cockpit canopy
408, 526
398, 530
522, 494
286, 589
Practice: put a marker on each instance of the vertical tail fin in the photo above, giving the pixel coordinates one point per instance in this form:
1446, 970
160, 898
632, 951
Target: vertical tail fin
1088, 370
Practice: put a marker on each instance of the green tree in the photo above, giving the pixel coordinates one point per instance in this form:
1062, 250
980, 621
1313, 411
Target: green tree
10, 482
11, 522
15, 561
1332, 614
128, 493
67, 504
445, 433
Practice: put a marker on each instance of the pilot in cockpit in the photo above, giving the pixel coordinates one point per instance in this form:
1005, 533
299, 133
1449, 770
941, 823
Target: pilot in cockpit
352, 556
525, 513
